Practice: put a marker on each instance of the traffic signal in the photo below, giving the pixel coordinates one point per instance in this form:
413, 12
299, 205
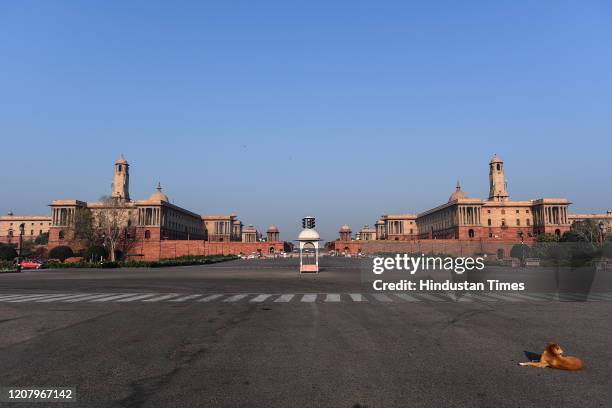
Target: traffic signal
308, 222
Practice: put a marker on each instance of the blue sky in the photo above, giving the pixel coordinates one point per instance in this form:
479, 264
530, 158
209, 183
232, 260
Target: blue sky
278, 109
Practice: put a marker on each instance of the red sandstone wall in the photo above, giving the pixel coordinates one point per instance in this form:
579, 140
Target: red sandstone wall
154, 250
442, 246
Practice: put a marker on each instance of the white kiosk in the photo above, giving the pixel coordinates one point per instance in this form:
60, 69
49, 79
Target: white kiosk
309, 246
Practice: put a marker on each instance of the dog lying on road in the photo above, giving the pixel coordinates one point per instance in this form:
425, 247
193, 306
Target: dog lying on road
553, 357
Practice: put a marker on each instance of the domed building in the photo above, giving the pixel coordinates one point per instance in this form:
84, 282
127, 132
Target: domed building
273, 233
457, 194
158, 195
346, 234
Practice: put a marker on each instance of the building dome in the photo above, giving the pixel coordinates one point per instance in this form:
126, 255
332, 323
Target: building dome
345, 228
250, 228
272, 228
496, 159
308, 234
457, 194
158, 195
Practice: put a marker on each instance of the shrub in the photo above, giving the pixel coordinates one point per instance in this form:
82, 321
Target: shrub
7, 266
61, 253
7, 253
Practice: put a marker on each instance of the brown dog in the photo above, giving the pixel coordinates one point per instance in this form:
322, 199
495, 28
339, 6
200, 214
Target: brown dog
552, 357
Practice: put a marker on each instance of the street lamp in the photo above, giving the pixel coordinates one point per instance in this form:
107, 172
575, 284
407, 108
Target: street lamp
104, 241
21, 232
601, 232
522, 236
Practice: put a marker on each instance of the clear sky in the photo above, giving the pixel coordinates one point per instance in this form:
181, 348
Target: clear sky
277, 109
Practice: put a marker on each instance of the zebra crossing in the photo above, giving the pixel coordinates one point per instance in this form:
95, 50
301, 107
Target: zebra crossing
304, 298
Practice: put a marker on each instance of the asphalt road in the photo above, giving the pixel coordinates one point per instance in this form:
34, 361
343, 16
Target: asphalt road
321, 348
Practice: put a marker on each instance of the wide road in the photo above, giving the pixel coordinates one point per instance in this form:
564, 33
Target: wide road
256, 334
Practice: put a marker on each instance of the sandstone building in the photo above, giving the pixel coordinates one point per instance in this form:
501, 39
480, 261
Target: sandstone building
34, 226
497, 218
157, 223
604, 219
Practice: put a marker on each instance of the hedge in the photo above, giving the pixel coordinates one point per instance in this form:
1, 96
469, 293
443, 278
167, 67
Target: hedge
7, 266
181, 261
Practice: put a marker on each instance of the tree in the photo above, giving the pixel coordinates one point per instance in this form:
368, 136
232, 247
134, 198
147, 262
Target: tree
584, 231
520, 251
42, 239
84, 228
94, 253
61, 252
114, 227
7, 252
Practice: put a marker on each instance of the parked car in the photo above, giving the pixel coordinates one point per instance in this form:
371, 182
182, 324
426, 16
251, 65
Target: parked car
31, 264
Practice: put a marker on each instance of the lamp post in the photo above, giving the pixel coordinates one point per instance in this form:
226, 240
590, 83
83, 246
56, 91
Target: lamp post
21, 232
601, 233
522, 236
104, 240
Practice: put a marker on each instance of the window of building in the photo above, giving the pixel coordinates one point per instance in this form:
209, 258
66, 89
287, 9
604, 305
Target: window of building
488, 211
490, 235
528, 222
489, 222
61, 235
527, 211
471, 233
503, 224
503, 211
518, 222
31, 232
517, 211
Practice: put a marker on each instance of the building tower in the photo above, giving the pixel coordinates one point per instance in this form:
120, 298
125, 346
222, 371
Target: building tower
121, 181
498, 190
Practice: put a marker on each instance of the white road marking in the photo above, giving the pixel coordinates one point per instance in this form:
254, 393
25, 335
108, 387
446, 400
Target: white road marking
381, 298
235, 298
465, 297
502, 297
57, 299
138, 297
33, 298
332, 297
86, 298
113, 297
188, 297
8, 297
284, 298
163, 297
209, 298
260, 298
407, 297
483, 298
309, 298
357, 297
430, 297
547, 297
527, 297
599, 296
